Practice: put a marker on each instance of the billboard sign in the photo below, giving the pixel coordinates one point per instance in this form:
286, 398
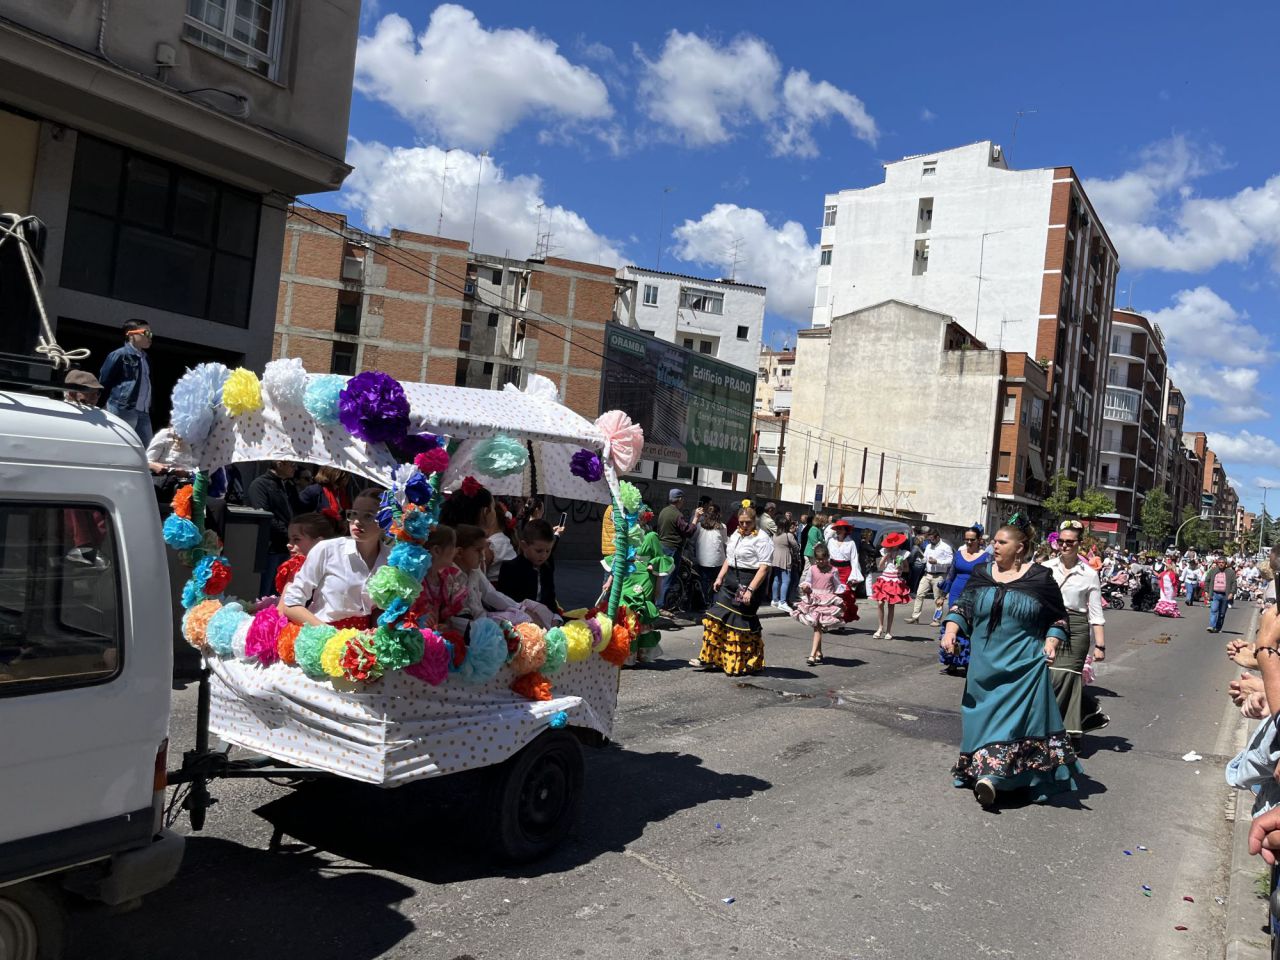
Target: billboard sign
695, 410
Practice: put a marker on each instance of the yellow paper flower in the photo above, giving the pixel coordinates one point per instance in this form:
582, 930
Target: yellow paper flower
334, 648
242, 393
579, 638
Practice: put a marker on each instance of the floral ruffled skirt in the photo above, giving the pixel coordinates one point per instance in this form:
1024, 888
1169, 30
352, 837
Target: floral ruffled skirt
1044, 765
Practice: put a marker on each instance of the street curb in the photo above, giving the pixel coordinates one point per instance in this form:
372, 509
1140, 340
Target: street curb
1246, 914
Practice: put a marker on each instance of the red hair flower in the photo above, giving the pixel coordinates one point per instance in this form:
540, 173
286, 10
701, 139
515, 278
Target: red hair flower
471, 486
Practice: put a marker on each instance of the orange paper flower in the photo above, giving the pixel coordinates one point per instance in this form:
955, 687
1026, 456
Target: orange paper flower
181, 502
532, 686
284, 643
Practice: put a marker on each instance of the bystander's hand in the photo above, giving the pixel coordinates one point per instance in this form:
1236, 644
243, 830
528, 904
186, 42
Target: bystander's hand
1242, 652
1264, 835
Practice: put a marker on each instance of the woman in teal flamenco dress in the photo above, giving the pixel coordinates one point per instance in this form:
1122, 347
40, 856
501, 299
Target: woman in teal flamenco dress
1012, 733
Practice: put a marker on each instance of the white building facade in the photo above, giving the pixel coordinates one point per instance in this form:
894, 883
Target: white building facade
1017, 257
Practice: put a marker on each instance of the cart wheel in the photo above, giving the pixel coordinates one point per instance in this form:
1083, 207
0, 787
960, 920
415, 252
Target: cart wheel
536, 796
1118, 603
32, 922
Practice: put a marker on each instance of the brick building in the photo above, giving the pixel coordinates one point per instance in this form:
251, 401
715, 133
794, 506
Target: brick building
424, 308
1217, 497
1018, 478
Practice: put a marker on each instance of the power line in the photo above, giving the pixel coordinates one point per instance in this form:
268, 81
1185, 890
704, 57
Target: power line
538, 318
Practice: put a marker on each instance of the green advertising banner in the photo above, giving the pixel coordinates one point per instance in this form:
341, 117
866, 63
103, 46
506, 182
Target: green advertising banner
695, 410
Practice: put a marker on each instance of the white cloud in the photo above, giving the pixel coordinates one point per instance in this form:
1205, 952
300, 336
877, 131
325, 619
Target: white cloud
1241, 414
1157, 221
1204, 325
1266, 483
470, 85
704, 93
806, 103
401, 187
927, 115
779, 258
1245, 447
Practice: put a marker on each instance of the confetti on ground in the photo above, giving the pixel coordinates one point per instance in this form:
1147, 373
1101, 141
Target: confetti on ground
1192, 757
1146, 888
1128, 853
1220, 901
717, 826
728, 899
1189, 899
1180, 927
1143, 849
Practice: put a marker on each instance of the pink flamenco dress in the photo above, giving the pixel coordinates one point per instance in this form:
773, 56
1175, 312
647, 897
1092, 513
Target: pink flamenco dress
890, 587
1167, 605
821, 607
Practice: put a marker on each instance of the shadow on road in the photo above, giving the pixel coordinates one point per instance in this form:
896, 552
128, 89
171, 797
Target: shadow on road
435, 832
235, 901
1092, 745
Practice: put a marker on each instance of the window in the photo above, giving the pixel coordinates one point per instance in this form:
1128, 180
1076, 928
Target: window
352, 268
726, 476
461, 372
59, 597
924, 215
348, 318
487, 369
762, 374
497, 278
702, 301
684, 473
343, 359
929, 169
743, 332
155, 234
1022, 469
920, 265
650, 294
246, 32
493, 319
464, 335
688, 343
1002, 472
824, 257
1037, 421
704, 346
829, 216
1010, 407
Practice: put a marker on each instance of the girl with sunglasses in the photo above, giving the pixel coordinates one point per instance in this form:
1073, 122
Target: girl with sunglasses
330, 586
963, 563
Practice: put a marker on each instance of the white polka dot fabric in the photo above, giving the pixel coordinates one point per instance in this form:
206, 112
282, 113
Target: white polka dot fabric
399, 728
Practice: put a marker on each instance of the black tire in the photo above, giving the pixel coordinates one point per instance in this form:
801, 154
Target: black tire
677, 596
536, 796
1117, 602
33, 922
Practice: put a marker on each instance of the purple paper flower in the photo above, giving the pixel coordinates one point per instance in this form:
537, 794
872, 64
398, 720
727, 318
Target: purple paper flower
373, 408
586, 465
414, 444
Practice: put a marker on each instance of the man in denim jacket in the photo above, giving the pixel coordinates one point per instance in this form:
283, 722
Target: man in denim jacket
126, 379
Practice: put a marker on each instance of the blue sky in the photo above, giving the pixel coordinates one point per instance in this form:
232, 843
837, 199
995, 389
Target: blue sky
724, 124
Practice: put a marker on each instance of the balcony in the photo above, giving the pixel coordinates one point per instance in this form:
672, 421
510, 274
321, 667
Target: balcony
1121, 404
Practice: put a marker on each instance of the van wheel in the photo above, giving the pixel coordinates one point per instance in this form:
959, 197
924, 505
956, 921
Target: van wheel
536, 796
32, 922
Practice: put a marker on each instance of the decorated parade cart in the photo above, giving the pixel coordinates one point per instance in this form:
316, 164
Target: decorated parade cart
400, 700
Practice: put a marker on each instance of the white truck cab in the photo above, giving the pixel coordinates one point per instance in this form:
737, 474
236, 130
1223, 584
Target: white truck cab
85, 670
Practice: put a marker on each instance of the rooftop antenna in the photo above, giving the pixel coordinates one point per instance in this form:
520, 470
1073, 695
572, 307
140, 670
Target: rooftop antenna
1132, 281
662, 215
537, 230
1017, 117
475, 214
444, 178
735, 257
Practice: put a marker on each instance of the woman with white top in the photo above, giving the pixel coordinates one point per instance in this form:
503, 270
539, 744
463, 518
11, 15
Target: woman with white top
731, 636
843, 549
1082, 596
330, 586
709, 540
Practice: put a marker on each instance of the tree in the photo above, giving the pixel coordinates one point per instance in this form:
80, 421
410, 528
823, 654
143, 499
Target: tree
1091, 504
1157, 518
1197, 534
1059, 500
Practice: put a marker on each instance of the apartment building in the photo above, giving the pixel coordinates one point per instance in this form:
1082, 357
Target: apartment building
1182, 472
773, 381
1018, 257
899, 409
159, 143
1132, 453
1218, 498
428, 309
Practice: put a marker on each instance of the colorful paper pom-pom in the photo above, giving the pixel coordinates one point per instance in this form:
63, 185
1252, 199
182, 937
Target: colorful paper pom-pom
195, 401
578, 638
335, 648
416, 526
242, 392
419, 490
240, 638
606, 630
630, 497
486, 653
619, 646
286, 643
557, 650
285, 382
532, 652
191, 594
374, 408
181, 503
587, 465
434, 665
309, 646
397, 649
261, 643
195, 622
533, 686
390, 583
180, 533
321, 397
411, 558
500, 456
435, 460
558, 720
222, 628
359, 662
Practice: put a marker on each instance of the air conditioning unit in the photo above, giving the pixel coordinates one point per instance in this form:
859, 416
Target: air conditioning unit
352, 268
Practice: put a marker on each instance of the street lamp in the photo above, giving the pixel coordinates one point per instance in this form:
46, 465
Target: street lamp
1203, 516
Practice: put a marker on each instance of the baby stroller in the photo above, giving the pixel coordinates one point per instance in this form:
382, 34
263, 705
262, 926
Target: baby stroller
1115, 590
1144, 595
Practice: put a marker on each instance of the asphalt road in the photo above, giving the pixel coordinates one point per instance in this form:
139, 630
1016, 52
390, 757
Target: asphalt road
817, 798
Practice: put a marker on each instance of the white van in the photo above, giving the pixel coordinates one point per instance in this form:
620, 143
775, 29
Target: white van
85, 670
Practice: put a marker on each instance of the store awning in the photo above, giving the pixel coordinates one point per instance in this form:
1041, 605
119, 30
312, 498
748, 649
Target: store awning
1037, 468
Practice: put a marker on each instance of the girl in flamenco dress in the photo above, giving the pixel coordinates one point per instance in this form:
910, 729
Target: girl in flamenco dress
842, 547
890, 589
1167, 582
